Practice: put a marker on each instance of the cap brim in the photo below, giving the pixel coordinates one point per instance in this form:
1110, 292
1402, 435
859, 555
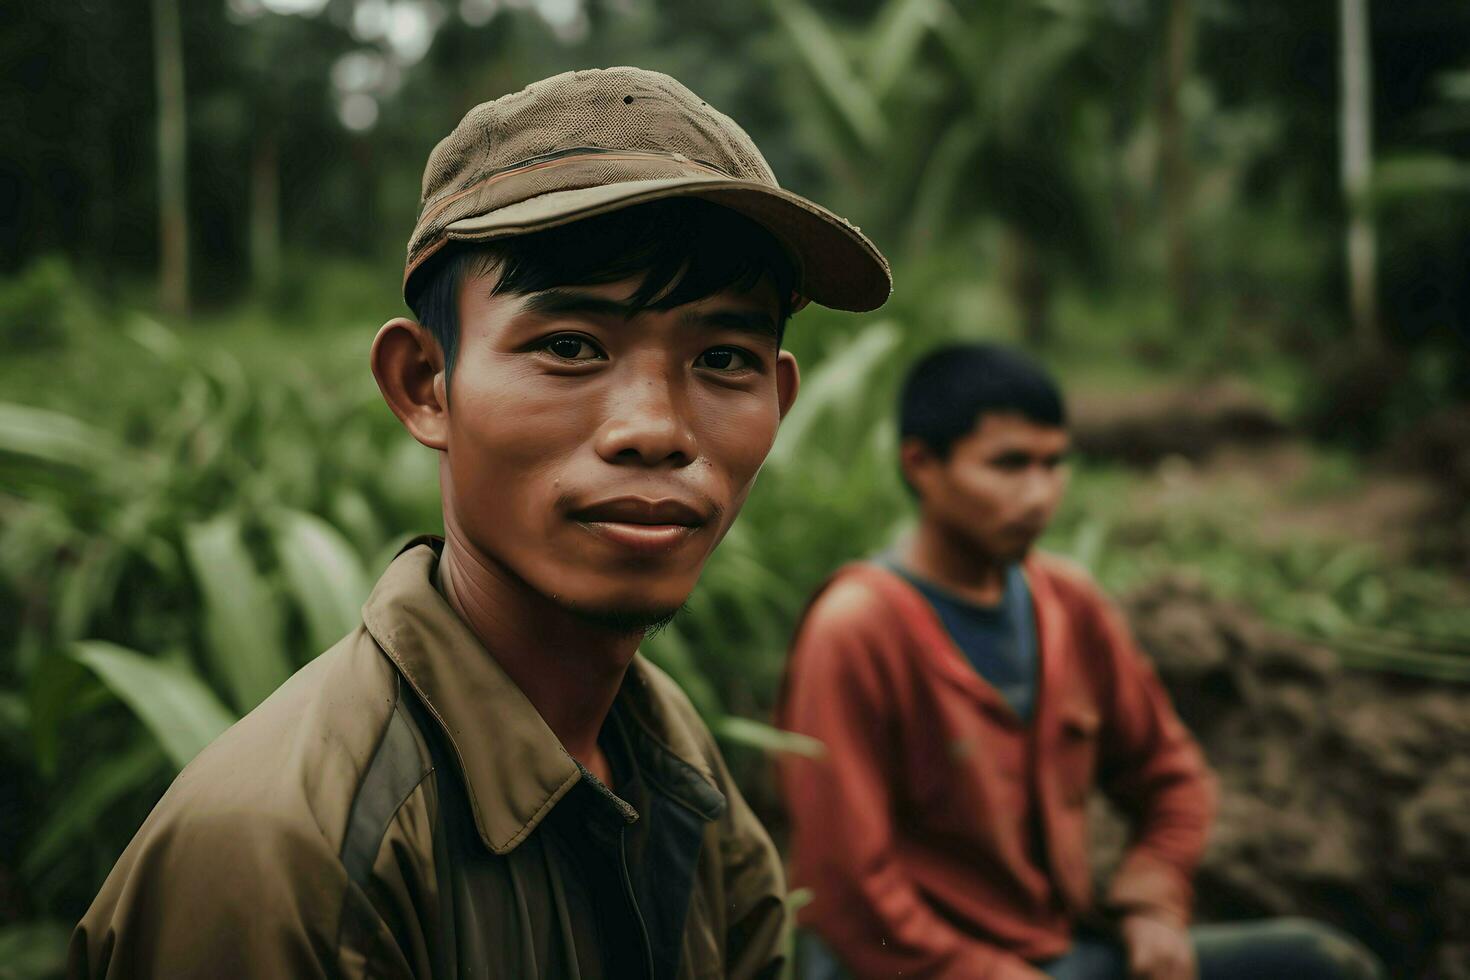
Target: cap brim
839, 267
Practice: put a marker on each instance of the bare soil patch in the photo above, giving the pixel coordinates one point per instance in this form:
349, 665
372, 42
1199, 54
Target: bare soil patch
1345, 795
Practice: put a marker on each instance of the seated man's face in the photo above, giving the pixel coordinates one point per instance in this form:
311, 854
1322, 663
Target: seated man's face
998, 488
599, 456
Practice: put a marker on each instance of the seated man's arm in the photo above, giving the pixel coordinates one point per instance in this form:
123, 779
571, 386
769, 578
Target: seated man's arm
842, 832
230, 896
1153, 769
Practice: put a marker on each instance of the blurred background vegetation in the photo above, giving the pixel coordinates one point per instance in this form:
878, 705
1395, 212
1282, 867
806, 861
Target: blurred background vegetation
1239, 229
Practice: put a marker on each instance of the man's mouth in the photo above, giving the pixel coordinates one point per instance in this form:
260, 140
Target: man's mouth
640, 510
641, 525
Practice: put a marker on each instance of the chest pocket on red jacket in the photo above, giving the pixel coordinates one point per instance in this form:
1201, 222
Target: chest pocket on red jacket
1077, 753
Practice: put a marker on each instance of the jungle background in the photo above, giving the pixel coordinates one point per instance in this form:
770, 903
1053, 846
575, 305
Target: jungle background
1238, 229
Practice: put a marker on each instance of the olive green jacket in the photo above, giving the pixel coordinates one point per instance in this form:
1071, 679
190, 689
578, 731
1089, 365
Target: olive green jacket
399, 809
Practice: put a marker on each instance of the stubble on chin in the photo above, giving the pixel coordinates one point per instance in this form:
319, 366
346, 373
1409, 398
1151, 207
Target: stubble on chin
1018, 555
625, 621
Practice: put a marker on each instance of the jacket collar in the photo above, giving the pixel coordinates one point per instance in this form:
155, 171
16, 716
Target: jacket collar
514, 768
951, 663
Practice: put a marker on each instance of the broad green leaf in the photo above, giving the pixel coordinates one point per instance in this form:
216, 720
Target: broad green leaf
15, 716
175, 705
242, 614
798, 899
767, 738
823, 56
1324, 615
326, 576
32, 534
85, 588
52, 695
54, 437
1419, 175
93, 790
1376, 652
896, 39
33, 950
1088, 543
384, 556
670, 651
942, 177
154, 337
409, 477
352, 513
839, 379
1022, 80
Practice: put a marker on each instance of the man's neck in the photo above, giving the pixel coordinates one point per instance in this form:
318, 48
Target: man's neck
570, 670
937, 554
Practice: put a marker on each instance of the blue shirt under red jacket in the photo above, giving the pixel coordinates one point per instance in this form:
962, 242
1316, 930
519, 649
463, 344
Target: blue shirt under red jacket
942, 835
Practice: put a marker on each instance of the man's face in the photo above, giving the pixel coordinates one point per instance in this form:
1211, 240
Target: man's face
999, 486
600, 456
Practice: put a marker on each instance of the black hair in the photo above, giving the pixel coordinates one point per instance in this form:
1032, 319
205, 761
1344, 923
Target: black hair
685, 249
949, 389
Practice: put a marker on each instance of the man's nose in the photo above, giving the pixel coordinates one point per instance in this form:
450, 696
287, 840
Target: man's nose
647, 423
1038, 487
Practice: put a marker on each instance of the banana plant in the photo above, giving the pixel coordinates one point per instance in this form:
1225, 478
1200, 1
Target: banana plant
938, 113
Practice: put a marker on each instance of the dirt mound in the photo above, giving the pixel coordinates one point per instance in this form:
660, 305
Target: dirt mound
1439, 448
1345, 795
1142, 428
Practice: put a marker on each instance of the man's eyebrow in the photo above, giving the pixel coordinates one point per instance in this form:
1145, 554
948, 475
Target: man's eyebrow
562, 302
572, 302
755, 322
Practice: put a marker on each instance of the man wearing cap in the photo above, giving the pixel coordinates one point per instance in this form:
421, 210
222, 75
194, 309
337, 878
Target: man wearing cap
485, 779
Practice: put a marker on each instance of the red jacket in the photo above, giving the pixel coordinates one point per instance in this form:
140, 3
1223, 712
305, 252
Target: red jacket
940, 835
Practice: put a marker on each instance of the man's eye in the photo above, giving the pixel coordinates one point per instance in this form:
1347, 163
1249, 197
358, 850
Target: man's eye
572, 348
723, 359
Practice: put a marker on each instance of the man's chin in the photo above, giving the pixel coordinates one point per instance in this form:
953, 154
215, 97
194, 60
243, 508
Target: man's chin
1021, 553
645, 621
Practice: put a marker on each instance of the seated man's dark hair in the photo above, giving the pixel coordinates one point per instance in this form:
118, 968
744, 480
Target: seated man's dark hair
684, 249
950, 388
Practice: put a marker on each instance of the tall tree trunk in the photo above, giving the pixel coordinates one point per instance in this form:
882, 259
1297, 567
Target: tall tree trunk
265, 209
1175, 170
1357, 173
173, 216
1029, 283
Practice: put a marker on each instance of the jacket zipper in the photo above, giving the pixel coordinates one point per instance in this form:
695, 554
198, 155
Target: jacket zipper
633, 900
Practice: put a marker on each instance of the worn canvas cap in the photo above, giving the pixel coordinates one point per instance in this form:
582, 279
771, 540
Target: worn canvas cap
585, 143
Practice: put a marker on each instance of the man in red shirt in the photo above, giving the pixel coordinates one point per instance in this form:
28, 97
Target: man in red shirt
971, 693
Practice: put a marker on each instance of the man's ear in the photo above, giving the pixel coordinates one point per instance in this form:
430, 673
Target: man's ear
788, 380
918, 463
409, 368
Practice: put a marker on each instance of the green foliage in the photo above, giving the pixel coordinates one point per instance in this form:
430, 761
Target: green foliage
32, 950
40, 307
756, 735
188, 516
324, 573
242, 617
95, 790
168, 565
823, 54
172, 702
1377, 614
55, 438
922, 109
